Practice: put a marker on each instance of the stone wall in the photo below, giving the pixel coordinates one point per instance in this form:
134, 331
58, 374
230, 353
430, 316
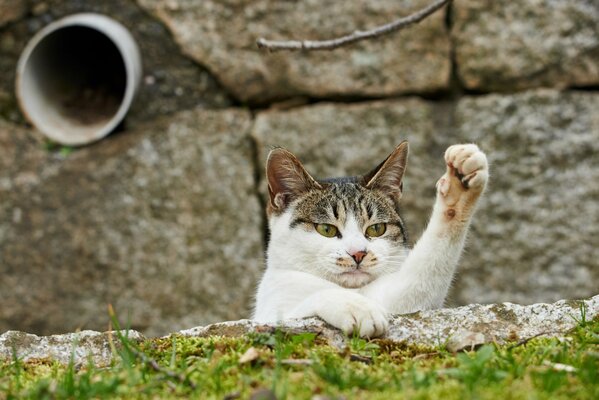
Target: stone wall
164, 219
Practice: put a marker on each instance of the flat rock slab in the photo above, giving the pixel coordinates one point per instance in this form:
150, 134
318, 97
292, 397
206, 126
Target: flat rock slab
221, 35
510, 45
160, 221
534, 237
449, 327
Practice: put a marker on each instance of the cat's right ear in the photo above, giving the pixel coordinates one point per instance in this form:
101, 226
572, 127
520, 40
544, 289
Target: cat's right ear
388, 175
287, 179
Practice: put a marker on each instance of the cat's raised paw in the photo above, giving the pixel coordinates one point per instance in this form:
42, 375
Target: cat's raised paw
469, 164
463, 182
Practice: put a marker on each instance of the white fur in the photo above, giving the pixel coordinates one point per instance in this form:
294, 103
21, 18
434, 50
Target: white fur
302, 278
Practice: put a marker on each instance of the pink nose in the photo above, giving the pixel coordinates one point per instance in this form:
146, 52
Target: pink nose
358, 256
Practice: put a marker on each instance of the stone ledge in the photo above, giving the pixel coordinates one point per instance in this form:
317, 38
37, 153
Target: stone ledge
456, 328
135, 221
78, 346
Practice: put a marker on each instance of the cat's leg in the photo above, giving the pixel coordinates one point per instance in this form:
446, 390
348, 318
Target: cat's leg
294, 294
425, 277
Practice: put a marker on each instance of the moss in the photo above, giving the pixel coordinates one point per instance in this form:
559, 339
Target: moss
504, 313
300, 366
513, 336
403, 349
226, 330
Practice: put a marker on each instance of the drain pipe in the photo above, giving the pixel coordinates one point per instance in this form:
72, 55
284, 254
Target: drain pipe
77, 77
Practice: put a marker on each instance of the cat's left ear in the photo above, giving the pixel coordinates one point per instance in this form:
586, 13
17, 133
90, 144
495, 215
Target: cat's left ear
287, 179
387, 176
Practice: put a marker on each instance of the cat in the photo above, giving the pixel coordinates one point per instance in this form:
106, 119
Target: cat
339, 250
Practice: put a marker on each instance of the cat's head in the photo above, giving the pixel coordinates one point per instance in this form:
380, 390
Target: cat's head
346, 230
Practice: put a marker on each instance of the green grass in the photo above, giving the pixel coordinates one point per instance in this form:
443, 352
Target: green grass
53, 147
181, 367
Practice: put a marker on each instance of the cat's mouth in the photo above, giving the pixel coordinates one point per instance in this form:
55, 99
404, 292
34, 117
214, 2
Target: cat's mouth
356, 272
354, 278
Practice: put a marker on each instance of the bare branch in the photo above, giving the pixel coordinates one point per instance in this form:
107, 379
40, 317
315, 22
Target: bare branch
153, 364
330, 44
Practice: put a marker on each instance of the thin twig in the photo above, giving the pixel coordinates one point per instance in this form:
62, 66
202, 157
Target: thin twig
360, 358
528, 339
145, 359
297, 361
423, 356
156, 367
399, 24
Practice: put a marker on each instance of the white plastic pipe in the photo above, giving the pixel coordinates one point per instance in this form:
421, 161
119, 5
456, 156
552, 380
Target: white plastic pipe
77, 77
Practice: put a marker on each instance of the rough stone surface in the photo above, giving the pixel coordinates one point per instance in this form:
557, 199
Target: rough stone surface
162, 222
535, 235
495, 323
464, 339
221, 35
23, 160
80, 347
11, 10
171, 82
505, 46
294, 326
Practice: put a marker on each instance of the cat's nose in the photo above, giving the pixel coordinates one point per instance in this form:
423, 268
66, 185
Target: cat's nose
358, 256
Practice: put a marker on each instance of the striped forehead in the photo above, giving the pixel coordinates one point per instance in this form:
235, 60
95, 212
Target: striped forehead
338, 201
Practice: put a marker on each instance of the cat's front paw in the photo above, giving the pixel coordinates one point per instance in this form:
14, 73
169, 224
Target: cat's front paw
462, 184
467, 172
356, 314
469, 164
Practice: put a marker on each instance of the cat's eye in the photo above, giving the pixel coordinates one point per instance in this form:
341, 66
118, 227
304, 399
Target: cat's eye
326, 230
376, 230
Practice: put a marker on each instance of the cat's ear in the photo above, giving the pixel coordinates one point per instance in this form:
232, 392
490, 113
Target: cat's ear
287, 179
387, 176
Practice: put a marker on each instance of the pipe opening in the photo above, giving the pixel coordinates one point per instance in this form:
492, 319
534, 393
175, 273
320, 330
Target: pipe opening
81, 74
77, 78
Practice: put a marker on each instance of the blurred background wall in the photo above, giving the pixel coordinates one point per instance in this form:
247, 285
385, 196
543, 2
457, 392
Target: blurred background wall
164, 219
